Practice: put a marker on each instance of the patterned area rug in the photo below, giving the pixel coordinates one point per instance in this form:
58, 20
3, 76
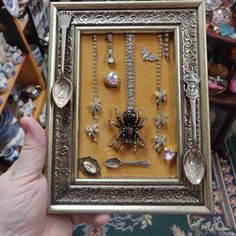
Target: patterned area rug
222, 222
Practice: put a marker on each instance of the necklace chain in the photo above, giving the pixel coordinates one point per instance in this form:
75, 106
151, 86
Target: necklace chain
130, 71
95, 105
95, 76
161, 118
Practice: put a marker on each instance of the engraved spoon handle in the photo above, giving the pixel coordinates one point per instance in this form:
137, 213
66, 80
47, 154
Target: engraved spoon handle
192, 92
64, 20
194, 117
144, 163
63, 48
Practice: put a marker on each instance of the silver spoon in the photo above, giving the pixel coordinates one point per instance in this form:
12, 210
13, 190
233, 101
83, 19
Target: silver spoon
62, 88
115, 163
193, 161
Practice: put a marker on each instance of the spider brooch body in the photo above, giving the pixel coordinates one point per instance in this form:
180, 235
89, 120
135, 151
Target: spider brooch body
129, 127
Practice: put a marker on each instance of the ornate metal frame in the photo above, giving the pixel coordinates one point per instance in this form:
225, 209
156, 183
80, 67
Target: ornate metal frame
67, 193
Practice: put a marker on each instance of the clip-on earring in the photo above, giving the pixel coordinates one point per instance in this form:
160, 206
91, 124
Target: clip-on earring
112, 79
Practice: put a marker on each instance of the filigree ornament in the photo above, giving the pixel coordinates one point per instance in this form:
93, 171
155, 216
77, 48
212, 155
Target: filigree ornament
89, 166
147, 55
161, 120
160, 142
64, 18
161, 96
93, 130
95, 106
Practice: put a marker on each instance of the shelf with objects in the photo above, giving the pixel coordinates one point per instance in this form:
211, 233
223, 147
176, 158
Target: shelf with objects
221, 25
22, 86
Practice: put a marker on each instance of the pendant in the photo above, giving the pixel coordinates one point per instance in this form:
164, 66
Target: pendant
92, 130
169, 154
112, 80
160, 142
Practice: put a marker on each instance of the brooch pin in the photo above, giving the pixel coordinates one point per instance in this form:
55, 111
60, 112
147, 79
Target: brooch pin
147, 55
89, 166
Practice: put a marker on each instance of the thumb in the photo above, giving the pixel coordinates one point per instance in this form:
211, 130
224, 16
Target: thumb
32, 155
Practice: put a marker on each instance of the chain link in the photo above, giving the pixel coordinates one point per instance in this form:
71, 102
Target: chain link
130, 80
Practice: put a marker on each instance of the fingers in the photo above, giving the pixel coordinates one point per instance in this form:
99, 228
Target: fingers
32, 155
91, 219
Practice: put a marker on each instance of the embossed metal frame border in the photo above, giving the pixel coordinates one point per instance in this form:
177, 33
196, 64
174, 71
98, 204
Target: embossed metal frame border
66, 194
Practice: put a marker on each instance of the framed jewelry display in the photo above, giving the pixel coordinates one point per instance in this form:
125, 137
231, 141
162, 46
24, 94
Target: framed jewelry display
127, 108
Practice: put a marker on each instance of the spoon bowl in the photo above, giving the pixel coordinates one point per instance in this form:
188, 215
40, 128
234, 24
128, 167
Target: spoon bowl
113, 162
62, 91
194, 166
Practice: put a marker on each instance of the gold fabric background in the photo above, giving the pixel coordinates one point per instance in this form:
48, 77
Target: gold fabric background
145, 87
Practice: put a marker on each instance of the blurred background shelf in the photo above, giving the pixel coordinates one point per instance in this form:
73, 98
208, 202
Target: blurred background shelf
11, 82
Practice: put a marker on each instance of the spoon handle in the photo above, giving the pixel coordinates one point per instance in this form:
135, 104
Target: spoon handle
192, 92
193, 116
144, 163
63, 48
64, 19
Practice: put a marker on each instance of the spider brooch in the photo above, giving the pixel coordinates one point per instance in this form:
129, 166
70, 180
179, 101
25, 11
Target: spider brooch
129, 128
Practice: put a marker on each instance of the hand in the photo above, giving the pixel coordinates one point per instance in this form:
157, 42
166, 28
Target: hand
23, 193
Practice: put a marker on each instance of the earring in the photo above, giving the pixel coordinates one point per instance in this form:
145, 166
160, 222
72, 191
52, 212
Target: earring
112, 79
110, 57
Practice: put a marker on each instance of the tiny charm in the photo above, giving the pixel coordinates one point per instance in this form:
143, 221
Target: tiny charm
92, 131
95, 106
147, 55
161, 96
89, 166
129, 128
112, 80
161, 120
160, 142
110, 57
169, 154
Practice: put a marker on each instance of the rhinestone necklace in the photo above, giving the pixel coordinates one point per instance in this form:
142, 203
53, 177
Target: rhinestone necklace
161, 97
95, 105
131, 123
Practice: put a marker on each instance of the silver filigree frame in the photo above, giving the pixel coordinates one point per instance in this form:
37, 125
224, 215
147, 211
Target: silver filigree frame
69, 194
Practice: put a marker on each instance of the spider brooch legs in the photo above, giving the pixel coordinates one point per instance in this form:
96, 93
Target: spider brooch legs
129, 126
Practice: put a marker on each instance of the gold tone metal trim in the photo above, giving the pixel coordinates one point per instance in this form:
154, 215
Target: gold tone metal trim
132, 209
50, 105
119, 29
65, 197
